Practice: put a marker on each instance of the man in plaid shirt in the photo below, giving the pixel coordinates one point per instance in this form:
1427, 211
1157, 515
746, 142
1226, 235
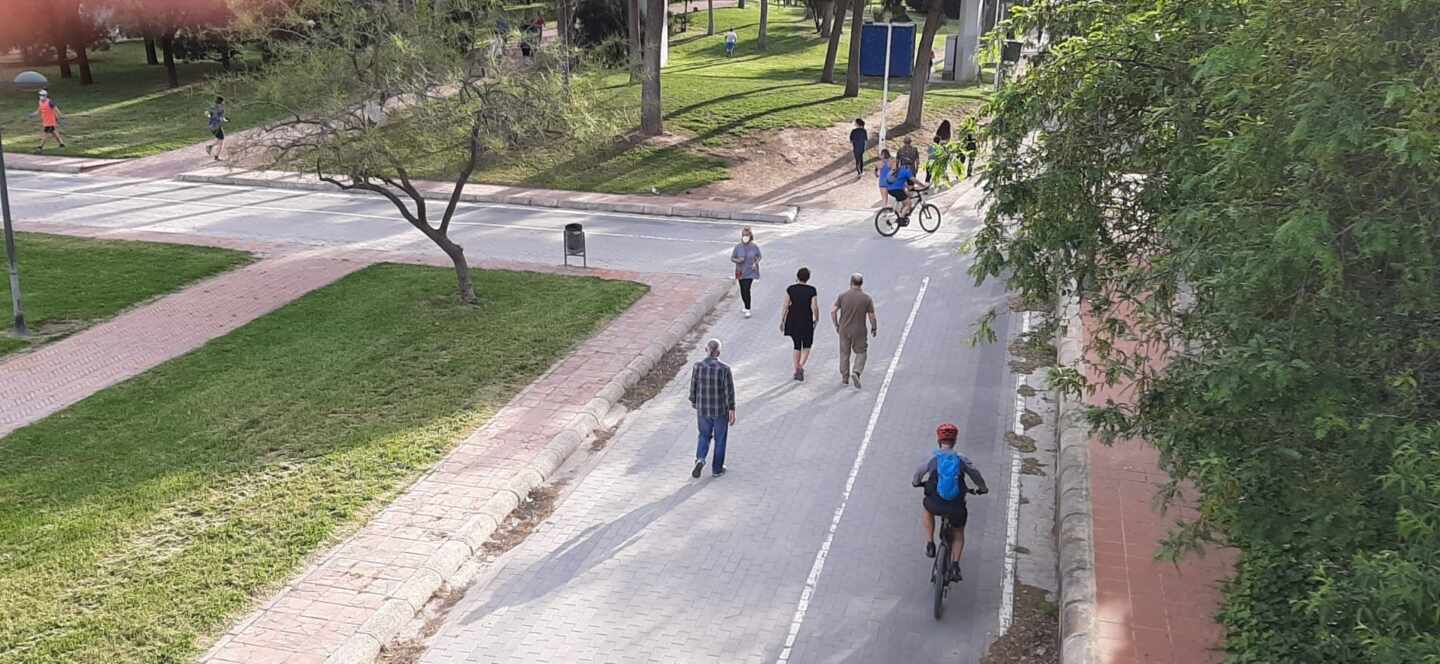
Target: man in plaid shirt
712, 395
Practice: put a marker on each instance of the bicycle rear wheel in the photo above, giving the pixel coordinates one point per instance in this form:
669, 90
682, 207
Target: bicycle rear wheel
941, 575
887, 223
930, 218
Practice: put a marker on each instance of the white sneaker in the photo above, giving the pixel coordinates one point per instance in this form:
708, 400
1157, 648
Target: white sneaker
747, 313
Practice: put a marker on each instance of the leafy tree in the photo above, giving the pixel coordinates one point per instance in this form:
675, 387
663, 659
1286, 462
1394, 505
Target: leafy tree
1246, 193
168, 22
374, 93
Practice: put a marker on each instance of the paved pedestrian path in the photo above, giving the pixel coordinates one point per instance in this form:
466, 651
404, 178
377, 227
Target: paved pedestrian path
313, 616
1147, 611
38, 384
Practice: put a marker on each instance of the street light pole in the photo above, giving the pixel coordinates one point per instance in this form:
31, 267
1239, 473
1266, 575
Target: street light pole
885, 87
20, 329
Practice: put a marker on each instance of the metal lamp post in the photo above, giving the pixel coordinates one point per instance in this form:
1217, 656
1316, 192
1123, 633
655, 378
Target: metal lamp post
885, 86
24, 80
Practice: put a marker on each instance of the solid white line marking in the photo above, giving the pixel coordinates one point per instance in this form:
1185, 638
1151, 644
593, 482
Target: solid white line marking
824, 552
1012, 514
1012, 535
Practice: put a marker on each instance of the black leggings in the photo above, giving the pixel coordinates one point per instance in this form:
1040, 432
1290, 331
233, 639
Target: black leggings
859, 161
745, 291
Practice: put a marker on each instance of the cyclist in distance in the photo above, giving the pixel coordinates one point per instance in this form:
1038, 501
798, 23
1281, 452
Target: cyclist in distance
943, 476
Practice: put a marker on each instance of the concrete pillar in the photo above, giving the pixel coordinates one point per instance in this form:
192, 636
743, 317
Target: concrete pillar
967, 67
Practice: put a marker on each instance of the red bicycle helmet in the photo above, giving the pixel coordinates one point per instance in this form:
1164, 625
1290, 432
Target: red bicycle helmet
947, 431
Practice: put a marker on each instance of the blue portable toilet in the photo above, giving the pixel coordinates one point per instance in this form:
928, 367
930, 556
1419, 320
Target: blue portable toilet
902, 49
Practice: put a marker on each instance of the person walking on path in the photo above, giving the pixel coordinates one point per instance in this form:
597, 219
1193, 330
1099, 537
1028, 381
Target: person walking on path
937, 146
883, 172
798, 318
216, 122
851, 310
746, 258
909, 155
712, 395
858, 140
730, 40
49, 120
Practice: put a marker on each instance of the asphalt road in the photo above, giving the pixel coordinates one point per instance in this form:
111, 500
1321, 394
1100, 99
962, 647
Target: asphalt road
811, 541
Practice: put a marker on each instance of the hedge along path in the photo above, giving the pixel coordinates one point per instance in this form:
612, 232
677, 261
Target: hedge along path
136, 523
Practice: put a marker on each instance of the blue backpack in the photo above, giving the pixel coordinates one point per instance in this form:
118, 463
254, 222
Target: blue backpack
948, 466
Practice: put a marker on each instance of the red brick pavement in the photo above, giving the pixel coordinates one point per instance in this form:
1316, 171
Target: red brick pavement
323, 605
1147, 611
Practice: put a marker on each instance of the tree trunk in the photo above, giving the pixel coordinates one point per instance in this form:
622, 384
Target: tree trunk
837, 22
764, 21
167, 46
83, 59
650, 121
150, 57
742, 4
62, 58
934, 16
456, 253
852, 71
827, 18
710, 5
632, 25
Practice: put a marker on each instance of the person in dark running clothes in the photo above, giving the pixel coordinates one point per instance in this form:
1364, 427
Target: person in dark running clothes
215, 120
858, 140
746, 258
798, 317
937, 506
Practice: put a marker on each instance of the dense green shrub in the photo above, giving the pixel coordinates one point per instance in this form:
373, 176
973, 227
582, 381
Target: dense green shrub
1251, 191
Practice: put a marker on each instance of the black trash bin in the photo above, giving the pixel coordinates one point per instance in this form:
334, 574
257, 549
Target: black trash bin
575, 244
1010, 51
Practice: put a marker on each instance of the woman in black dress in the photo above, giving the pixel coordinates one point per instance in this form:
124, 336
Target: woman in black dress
797, 319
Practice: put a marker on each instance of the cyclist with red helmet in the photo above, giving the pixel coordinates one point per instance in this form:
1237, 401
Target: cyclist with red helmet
943, 476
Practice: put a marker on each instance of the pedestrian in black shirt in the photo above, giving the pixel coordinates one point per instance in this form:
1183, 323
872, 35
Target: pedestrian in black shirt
858, 140
798, 316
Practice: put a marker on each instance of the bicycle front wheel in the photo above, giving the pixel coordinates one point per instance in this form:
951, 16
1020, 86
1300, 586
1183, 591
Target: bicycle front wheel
942, 574
886, 222
930, 218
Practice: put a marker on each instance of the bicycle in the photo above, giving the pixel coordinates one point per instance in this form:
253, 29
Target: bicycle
888, 222
939, 572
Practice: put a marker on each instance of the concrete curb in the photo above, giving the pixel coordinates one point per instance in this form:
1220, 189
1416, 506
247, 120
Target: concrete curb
56, 164
1074, 520
363, 647
660, 206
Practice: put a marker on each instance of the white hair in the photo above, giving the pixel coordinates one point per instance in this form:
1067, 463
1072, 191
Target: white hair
713, 347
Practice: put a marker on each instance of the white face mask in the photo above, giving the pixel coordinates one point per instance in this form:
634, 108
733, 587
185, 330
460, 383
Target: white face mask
745, 238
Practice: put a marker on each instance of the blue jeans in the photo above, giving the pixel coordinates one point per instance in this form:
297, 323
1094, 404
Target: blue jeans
719, 429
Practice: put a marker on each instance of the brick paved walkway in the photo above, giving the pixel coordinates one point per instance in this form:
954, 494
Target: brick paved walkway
324, 605
1147, 611
38, 384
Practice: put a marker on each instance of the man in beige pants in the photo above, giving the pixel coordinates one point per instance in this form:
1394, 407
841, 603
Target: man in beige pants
851, 310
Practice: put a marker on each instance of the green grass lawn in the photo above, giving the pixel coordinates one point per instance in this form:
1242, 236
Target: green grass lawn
128, 112
712, 100
69, 283
134, 524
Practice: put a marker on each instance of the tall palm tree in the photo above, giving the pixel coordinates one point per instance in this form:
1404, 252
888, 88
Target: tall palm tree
650, 122
764, 22
837, 22
934, 17
710, 4
852, 74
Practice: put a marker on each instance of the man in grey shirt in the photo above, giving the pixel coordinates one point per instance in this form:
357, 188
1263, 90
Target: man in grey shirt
849, 314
